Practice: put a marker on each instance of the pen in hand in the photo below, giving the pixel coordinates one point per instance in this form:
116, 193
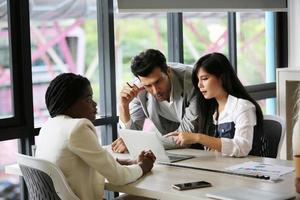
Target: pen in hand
132, 86
129, 85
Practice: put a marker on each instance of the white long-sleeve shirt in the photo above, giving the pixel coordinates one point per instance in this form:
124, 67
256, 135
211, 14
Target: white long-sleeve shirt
236, 126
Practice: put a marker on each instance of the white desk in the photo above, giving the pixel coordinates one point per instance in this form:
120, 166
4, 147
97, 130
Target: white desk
157, 184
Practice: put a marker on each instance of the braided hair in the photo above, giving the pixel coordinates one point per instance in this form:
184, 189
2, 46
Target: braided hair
63, 91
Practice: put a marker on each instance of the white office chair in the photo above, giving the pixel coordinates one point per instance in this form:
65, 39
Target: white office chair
44, 179
274, 130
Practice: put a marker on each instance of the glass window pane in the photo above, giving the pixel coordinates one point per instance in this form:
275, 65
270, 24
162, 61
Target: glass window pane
135, 33
251, 47
6, 90
204, 33
66, 42
9, 184
268, 106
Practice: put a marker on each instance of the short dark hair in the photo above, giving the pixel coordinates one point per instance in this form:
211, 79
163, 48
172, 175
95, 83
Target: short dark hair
144, 63
63, 91
218, 65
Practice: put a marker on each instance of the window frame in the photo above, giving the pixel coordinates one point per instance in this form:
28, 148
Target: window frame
21, 124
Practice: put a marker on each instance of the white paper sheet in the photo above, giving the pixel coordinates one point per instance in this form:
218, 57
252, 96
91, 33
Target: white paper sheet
257, 168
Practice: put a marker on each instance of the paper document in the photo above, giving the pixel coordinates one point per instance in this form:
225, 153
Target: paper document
257, 168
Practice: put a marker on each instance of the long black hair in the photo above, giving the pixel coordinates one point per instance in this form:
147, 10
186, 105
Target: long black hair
63, 91
218, 65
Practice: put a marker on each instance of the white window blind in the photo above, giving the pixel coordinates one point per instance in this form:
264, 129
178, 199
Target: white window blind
200, 5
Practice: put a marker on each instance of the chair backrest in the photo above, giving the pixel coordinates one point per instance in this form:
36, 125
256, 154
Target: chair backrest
274, 130
44, 179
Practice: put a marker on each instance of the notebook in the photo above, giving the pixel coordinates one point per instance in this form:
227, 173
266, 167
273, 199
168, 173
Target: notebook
137, 141
244, 193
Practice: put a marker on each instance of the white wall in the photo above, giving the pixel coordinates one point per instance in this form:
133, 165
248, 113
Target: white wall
294, 34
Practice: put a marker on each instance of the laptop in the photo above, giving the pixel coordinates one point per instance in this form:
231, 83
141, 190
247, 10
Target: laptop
137, 141
245, 193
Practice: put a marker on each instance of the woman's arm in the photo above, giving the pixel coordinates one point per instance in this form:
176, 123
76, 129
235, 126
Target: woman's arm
84, 143
209, 141
241, 144
186, 138
126, 161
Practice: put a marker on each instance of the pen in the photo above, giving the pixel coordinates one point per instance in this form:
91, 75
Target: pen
128, 84
220, 171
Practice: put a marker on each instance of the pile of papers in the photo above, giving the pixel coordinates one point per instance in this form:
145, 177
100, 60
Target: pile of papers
257, 168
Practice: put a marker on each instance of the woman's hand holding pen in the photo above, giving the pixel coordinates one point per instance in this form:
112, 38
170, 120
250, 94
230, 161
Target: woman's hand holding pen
182, 138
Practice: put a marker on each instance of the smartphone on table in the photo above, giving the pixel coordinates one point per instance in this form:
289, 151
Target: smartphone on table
191, 185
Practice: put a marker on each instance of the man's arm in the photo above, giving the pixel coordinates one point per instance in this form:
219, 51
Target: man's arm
189, 122
127, 94
132, 115
130, 110
137, 115
136, 122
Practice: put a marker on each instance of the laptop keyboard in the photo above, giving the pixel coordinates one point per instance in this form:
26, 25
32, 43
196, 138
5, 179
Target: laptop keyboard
176, 157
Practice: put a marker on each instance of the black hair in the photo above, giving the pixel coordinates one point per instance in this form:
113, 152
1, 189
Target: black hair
144, 63
218, 65
63, 91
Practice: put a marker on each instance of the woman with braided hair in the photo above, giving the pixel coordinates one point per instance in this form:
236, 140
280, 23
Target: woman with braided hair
69, 140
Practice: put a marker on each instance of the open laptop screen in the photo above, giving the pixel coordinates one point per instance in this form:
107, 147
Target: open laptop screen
137, 141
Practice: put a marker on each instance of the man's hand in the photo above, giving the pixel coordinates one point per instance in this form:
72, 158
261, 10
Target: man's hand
119, 146
146, 160
127, 94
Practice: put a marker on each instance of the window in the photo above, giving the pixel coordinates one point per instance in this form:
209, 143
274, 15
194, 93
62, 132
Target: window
6, 89
268, 106
251, 47
130, 40
60, 46
68, 42
256, 53
9, 184
204, 33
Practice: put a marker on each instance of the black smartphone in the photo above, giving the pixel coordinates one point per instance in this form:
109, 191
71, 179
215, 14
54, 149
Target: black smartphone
191, 185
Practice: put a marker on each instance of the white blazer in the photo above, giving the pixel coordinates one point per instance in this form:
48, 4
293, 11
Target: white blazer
72, 144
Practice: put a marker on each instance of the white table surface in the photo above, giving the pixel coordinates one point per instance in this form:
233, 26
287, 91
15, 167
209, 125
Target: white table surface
157, 183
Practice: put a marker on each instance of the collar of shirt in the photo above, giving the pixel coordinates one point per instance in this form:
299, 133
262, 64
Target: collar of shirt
230, 106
